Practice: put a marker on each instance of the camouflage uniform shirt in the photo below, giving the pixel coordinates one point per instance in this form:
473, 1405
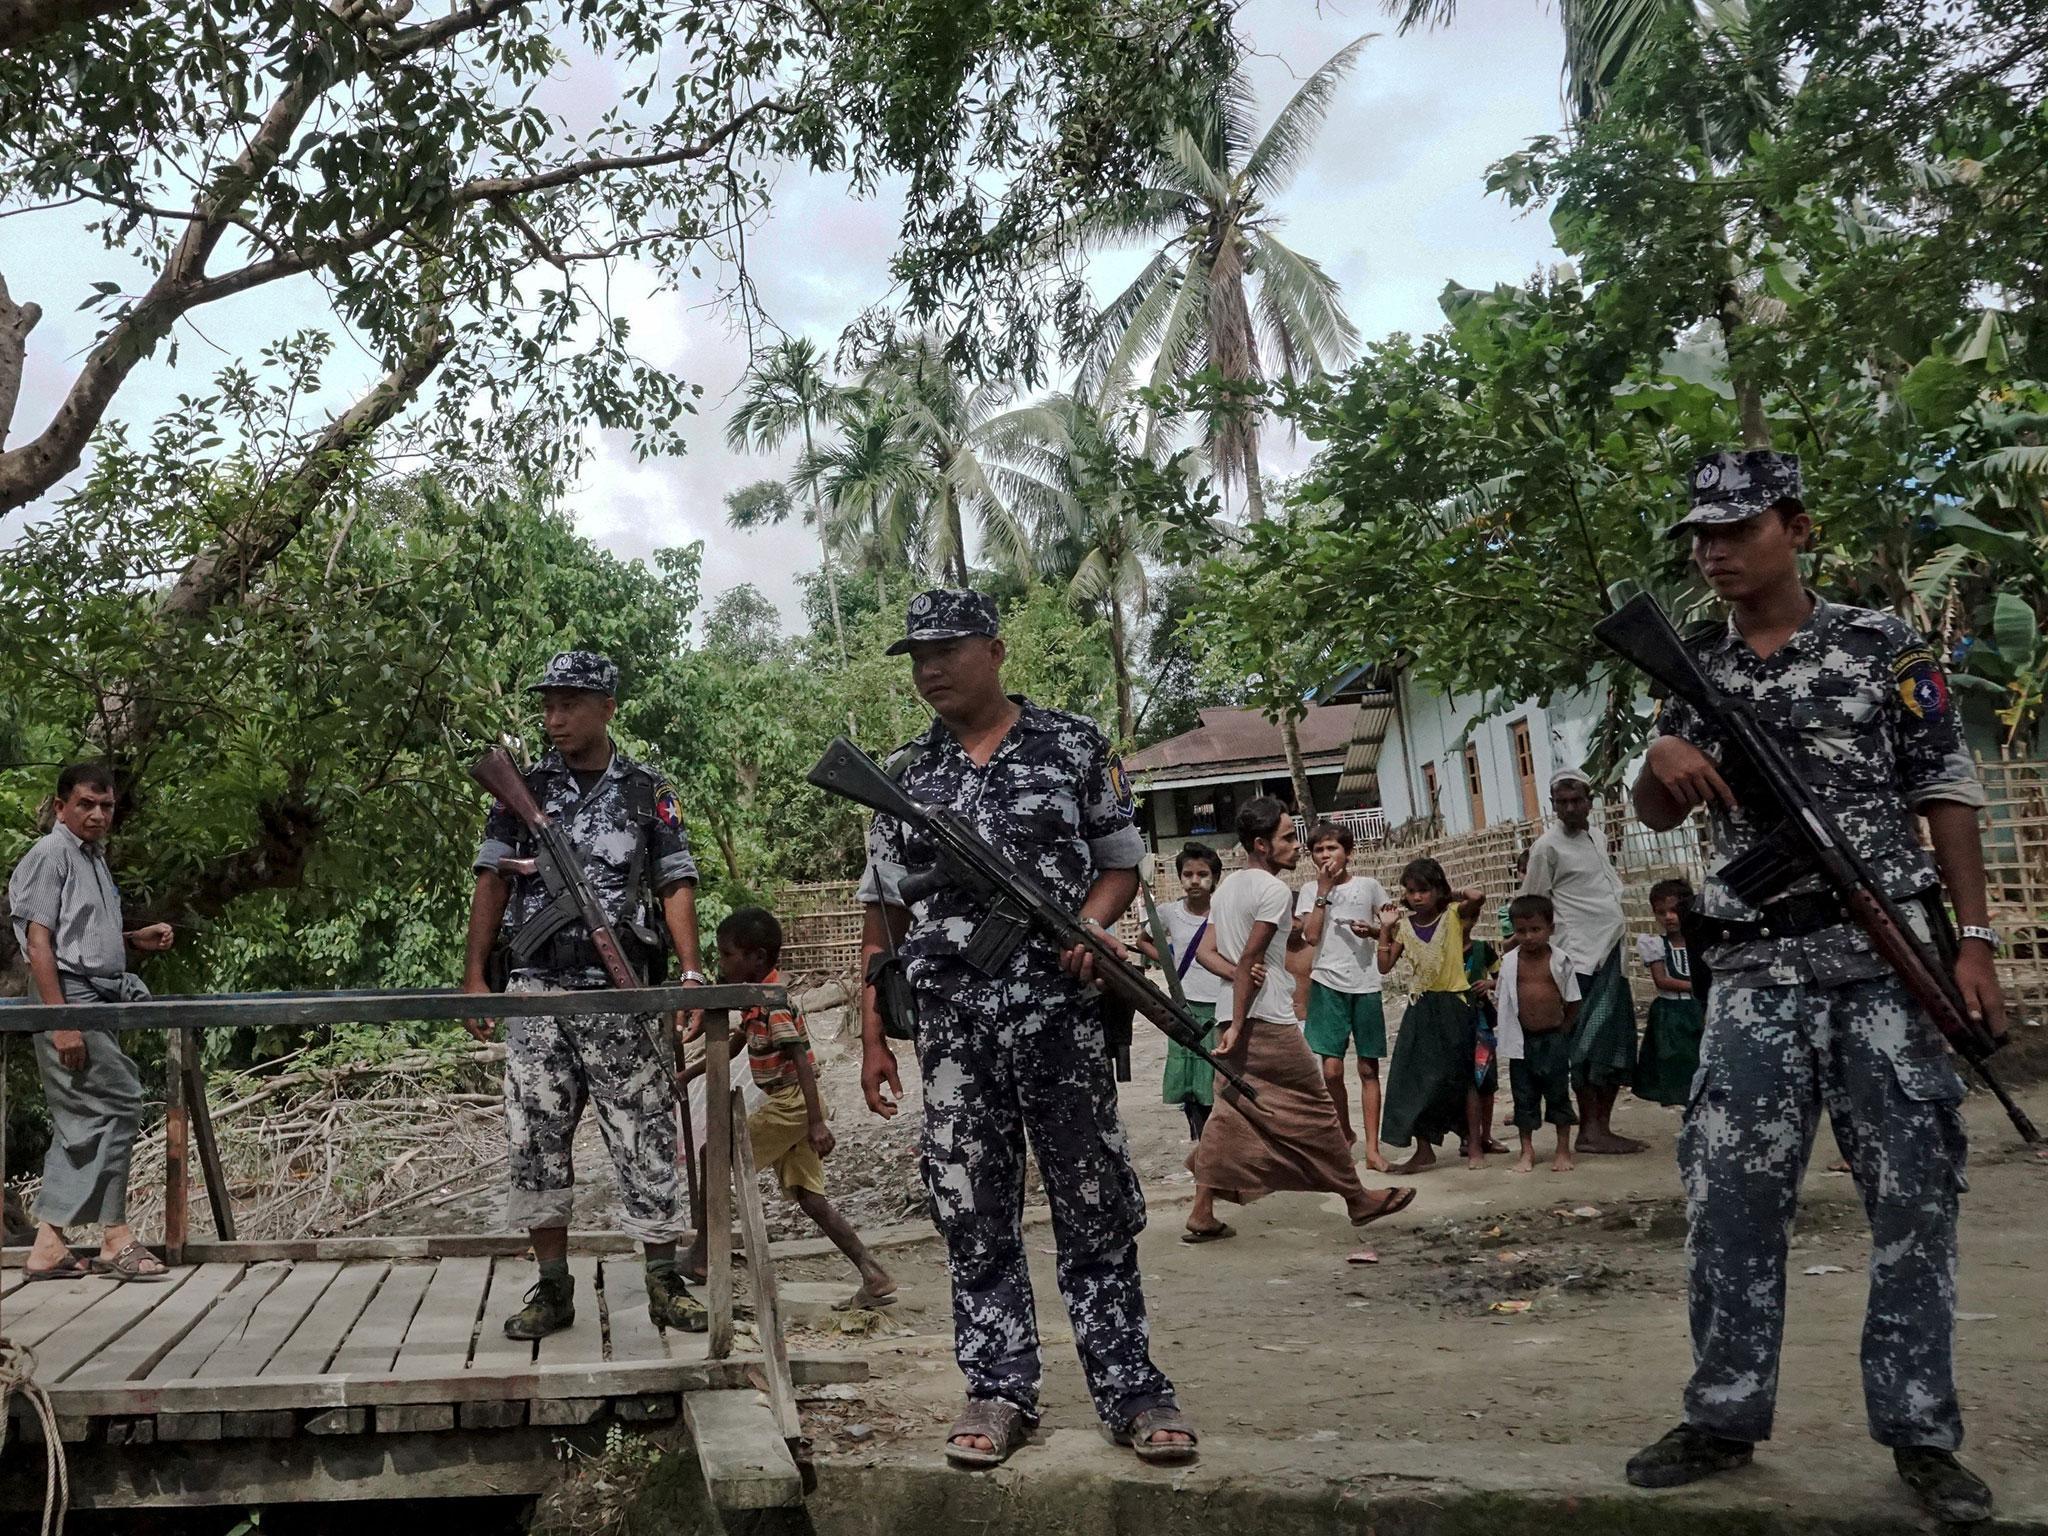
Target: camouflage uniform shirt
600, 825
1864, 711
1053, 798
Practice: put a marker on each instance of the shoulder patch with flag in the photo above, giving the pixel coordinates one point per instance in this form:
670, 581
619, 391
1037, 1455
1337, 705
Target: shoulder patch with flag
1922, 688
1120, 786
666, 808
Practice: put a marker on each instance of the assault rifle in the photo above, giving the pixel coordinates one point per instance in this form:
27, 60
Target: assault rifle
1805, 840
1018, 904
571, 900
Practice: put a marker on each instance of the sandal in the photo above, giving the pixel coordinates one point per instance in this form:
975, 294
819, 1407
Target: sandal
1214, 1234
70, 1267
1153, 1421
1397, 1200
127, 1265
865, 1300
1002, 1423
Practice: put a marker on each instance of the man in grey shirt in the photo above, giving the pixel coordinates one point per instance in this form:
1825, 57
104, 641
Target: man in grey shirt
67, 920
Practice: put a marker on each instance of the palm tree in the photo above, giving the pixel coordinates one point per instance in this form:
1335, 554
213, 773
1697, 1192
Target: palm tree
1191, 308
788, 391
877, 487
1193, 305
940, 417
1056, 462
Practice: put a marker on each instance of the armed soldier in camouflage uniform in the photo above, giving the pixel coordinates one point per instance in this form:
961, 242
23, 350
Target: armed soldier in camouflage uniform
625, 823
1802, 1013
1020, 1051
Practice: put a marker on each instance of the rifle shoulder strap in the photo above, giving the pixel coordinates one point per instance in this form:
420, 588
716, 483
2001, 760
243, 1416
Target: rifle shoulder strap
640, 811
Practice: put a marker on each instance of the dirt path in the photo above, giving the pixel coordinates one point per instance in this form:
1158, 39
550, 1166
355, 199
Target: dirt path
1272, 1337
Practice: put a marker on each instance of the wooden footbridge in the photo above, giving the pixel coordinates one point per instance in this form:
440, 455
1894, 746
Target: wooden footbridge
376, 1368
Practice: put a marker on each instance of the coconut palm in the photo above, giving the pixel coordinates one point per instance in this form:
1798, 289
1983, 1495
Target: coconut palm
877, 487
940, 416
787, 392
1222, 287
1191, 307
1056, 462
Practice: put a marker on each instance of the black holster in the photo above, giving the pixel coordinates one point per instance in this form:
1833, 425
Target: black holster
895, 1000
1118, 1018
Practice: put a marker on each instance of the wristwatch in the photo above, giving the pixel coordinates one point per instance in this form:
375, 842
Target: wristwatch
1322, 901
1986, 935
697, 976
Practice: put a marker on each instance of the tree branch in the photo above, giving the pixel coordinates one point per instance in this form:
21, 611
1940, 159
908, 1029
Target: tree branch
25, 23
16, 321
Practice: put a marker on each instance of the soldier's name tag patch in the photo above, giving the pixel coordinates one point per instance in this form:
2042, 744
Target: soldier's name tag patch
1922, 688
1120, 787
666, 810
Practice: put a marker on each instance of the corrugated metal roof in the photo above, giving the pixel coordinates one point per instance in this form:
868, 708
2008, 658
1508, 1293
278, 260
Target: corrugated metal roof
1246, 739
1361, 779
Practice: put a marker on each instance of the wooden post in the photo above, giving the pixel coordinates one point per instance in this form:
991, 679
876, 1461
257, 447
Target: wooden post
761, 1271
217, 1198
176, 1176
718, 1129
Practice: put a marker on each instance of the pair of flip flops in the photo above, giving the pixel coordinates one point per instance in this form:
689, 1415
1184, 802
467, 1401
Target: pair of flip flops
128, 1267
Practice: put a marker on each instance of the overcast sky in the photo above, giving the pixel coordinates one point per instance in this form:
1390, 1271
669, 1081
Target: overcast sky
1393, 202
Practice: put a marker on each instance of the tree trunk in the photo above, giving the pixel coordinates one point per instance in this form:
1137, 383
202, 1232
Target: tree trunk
1119, 657
1749, 396
958, 529
825, 551
1297, 770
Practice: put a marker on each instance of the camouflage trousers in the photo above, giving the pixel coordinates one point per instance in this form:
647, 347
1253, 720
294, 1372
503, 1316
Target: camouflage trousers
1771, 1058
1002, 1061
553, 1068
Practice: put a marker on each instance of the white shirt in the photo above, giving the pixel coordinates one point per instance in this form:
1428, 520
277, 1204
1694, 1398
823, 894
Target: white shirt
1344, 961
1197, 982
1574, 873
1507, 1004
1254, 896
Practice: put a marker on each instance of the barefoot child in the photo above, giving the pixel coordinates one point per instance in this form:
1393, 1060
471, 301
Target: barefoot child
1189, 1080
1482, 968
1430, 1087
1537, 1002
1337, 915
788, 1128
1670, 1054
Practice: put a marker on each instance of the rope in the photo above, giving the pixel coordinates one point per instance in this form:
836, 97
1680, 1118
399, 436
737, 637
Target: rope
18, 1374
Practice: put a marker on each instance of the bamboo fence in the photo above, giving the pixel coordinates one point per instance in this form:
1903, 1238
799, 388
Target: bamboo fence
822, 921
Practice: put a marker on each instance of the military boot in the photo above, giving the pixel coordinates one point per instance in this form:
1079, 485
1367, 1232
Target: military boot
1686, 1455
1950, 1490
550, 1307
670, 1304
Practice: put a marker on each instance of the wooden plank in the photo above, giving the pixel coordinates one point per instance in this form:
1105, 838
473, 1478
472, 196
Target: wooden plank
184, 1013
632, 1334
217, 1198
306, 1351
653, 1408
438, 1341
227, 1317
259, 1424
372, 1344
22, 1305
761, 1270
624, 1379
507, 1414
339, 1421
746, 1463
562, 1412
510, 1278
177, 1177
135, 1352
717, 1184
414, 1418
188, 1426
61, 1301
247, 1351
69, 1347
582, 1342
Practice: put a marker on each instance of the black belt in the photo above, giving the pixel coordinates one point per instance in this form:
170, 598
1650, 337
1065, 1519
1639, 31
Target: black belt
1796, 917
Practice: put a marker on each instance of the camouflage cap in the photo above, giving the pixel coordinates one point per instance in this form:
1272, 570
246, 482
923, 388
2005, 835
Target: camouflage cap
1730, 487
579, 669
946, 613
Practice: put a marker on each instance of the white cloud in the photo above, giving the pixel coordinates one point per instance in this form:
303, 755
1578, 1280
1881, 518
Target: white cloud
1392, 200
